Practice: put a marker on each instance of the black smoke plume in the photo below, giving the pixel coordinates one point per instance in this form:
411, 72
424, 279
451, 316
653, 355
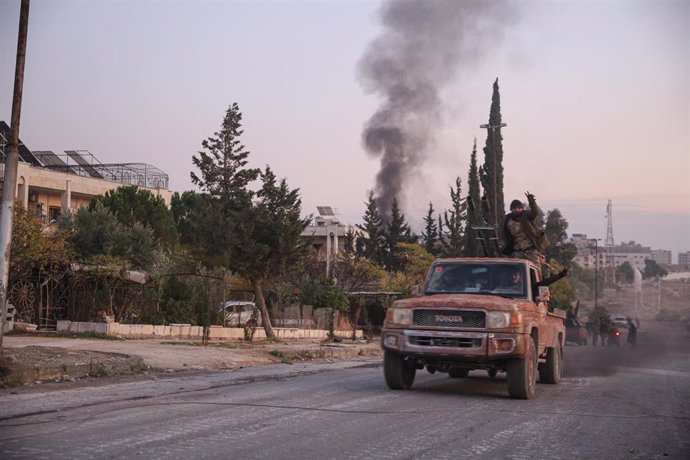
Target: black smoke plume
420, 51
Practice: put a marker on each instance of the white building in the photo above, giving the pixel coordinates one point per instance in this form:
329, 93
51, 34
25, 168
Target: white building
661, 256
634, 254
684, 258
326, 235
586, 248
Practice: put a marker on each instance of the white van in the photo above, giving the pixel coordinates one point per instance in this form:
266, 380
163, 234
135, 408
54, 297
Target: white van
620, 321
240, 313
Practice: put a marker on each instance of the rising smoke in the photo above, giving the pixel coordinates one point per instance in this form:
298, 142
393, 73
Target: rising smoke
423, 45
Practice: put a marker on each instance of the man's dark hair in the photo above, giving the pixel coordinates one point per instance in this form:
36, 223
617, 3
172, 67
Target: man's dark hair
516, 204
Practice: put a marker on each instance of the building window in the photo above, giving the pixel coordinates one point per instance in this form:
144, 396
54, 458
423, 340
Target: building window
53, 213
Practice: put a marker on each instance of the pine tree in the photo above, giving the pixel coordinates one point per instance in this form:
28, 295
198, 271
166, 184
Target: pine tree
223, 178
397, 231
266, 241
131, 204
223, 163
190, 210
454, 222
373, 239
492, 171
441, 235
430, 233
349, 244
255, 233
559, 248
473, 247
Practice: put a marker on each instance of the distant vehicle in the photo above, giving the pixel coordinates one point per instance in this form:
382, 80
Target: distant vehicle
575, 332
614, 339
620, 321
240, 313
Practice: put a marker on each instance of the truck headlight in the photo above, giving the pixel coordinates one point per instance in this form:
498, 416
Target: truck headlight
497, 319
390, 340
400, 316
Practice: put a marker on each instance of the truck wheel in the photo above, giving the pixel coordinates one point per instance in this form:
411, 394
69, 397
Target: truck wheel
522, 373
552, 370
492, 373
458, 373
398, 371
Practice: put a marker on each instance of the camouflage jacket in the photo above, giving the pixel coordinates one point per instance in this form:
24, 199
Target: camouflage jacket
528, 225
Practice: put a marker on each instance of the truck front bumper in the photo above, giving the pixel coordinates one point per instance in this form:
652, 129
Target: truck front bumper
454, 345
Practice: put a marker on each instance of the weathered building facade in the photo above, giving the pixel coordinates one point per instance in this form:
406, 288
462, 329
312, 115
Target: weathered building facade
50, 184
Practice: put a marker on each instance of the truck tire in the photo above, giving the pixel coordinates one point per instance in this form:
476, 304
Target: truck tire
522, 373
492, 373
552, 370
398, 371
458, 373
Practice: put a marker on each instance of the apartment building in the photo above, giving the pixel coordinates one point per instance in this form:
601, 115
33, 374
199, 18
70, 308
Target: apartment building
661, 256
590, 253
684, 258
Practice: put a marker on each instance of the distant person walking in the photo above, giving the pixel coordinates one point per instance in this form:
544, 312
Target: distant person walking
632, 333
593, 331
604, 326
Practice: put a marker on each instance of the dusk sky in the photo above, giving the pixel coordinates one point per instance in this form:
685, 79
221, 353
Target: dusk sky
596, 95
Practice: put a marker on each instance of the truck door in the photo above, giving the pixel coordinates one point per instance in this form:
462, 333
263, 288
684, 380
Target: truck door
546, 332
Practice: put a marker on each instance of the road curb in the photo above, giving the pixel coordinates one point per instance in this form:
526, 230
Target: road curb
324, 352
37, 364
101, 365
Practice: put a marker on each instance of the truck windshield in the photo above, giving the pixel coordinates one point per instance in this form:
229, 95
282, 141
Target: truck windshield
504, 279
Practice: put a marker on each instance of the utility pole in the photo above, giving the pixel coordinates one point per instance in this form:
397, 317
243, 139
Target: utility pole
596, 270
610, 263
9, 185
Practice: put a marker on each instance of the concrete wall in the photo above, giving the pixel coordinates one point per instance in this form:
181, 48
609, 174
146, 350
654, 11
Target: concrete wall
186, 331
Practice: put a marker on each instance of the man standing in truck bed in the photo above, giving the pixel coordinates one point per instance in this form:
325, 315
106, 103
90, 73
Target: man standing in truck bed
524, 240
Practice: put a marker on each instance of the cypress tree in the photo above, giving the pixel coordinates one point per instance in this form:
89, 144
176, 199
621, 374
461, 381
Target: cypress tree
474, 210
492, 172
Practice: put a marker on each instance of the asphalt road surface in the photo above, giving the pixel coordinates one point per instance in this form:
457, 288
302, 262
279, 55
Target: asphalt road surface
613, 403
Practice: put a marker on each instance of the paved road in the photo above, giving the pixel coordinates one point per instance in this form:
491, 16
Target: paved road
613, 403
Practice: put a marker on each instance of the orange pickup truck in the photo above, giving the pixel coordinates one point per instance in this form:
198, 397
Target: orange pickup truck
476, 313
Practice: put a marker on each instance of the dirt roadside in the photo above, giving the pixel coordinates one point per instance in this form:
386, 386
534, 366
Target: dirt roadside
40, 357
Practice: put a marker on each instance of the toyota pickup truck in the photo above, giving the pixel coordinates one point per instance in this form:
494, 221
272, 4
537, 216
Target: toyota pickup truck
476, 313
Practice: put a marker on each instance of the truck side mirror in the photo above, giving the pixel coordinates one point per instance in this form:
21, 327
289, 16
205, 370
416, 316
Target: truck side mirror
544, 294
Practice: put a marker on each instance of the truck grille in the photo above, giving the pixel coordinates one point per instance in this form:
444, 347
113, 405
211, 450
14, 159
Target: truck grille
449, 318
455, 342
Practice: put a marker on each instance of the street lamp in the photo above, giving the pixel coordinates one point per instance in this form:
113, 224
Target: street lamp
493, 129
596, 268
